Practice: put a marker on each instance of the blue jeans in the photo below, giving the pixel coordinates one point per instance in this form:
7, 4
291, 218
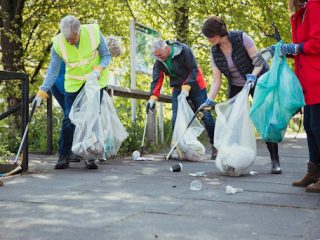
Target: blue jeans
58, 95
197, 97
311, 123
67, 129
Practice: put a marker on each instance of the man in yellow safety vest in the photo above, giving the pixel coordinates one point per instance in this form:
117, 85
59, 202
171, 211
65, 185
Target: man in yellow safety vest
83, 50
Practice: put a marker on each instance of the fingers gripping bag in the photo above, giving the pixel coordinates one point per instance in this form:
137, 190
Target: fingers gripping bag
114, 132
277, 96
88, 139
188, 148
234, 135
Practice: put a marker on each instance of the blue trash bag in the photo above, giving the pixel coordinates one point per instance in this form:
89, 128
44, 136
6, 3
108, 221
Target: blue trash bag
277, 96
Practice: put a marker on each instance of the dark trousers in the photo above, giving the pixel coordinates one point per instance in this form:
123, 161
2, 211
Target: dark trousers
311, 123
197, 97
272, 147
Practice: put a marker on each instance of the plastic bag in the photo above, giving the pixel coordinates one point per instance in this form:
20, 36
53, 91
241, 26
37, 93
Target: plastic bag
234, 135
188, 148
88, 139
278, 95
114, 132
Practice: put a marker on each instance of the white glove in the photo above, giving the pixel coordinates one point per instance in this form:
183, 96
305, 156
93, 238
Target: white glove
151, 104
41, 95
37, 100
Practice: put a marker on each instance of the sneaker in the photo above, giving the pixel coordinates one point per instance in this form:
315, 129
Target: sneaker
75, 158
91, 163
62, 163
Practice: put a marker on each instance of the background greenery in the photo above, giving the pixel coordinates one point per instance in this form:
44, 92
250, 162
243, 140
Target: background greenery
27, 27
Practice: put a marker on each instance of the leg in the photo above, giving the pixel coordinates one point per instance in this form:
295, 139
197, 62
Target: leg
311, 125
314, 146
175, 95
198, 96
66, 134
275, 164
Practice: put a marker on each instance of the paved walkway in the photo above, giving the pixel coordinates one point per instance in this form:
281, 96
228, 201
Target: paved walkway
126, 199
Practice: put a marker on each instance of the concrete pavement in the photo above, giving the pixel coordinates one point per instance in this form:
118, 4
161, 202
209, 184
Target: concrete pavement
126, 199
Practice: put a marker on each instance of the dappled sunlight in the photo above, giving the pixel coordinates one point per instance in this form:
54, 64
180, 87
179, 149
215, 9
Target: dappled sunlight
149, 170
42, 176
133, 198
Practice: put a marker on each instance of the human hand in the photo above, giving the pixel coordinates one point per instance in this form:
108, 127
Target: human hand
251, 79
208, 104
41, 95
151, 104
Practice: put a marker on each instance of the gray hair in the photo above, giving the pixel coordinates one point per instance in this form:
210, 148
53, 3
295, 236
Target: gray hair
115, 45
158, 44
69, 25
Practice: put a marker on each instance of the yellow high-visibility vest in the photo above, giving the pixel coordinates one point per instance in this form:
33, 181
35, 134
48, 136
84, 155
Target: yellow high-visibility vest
80, 61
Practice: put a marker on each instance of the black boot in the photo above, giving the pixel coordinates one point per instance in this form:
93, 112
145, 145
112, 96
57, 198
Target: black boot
275, 163
62, 163
214, 153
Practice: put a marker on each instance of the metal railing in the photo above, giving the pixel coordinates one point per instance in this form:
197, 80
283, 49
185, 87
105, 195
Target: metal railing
23, 106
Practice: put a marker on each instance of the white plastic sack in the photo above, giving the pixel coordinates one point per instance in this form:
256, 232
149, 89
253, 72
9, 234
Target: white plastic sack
234, 135
114, 132
189, 148
88, 139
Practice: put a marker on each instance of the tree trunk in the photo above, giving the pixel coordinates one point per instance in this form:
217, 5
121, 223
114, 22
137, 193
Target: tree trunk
181, 11
12, 48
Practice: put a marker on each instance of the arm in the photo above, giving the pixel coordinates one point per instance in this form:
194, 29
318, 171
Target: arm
312, 45
52, 71
216, 83
252, 52
157, 80
191, 63
104, 53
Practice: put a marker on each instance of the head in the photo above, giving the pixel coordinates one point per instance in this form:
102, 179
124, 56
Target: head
160, 49
70, 29
295, 5
115, 46
214, 28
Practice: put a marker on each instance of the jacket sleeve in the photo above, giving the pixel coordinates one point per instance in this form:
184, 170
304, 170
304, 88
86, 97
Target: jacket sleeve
312, 45
191, 64
157, 79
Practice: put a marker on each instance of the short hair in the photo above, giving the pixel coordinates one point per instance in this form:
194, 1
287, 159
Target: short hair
158, 44
214, 26
69, 25
115, 45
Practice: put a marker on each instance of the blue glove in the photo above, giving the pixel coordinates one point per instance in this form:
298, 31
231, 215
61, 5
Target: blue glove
209, 103
288, 49
251, 79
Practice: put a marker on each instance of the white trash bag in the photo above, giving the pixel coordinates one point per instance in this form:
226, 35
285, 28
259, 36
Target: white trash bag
114, 132
234, 135
189, 148
88, 139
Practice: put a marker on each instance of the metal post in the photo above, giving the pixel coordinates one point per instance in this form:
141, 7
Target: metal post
25, 117
133, 67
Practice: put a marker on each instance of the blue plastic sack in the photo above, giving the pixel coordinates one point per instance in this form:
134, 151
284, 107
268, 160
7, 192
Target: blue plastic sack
278, 95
